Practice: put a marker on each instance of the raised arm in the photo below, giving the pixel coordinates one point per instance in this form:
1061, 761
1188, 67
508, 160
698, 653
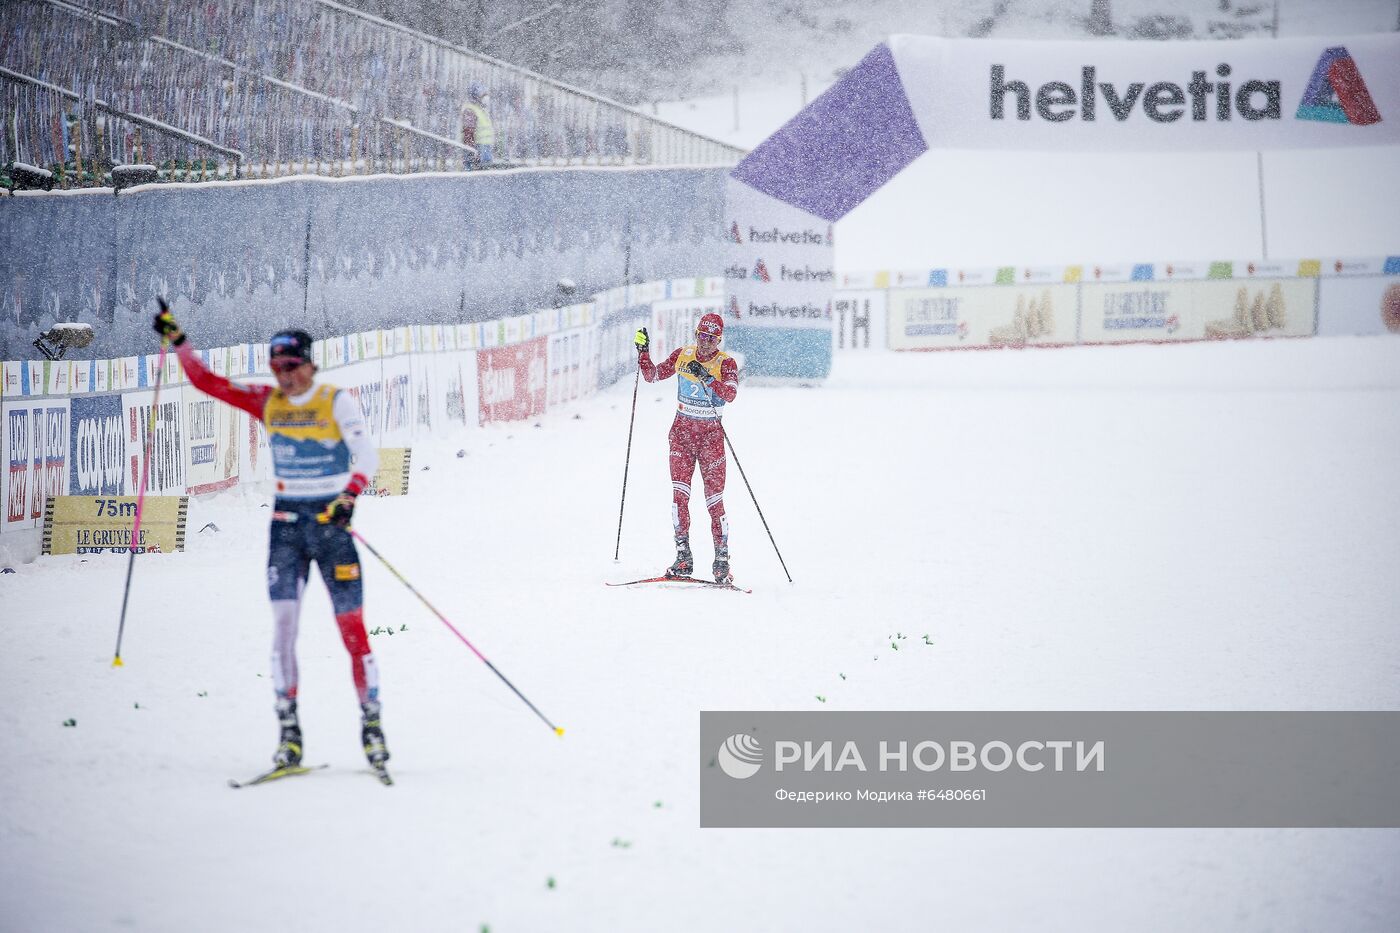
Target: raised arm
251, 399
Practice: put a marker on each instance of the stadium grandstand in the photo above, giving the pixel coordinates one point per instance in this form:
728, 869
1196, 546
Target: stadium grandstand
229, 89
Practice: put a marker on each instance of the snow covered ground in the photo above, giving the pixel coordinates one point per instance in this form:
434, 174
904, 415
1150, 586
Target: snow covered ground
1182, 527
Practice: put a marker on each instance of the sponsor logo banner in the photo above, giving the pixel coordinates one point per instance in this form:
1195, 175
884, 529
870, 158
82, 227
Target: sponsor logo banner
365, 383
83, 377
569, 376
12, 380
211, 443
1049, 769
58, 377
397, 427
1159, 96
860, 320
512, 381
614, 341
35, 447
254, 453
125, 372
391, 479
426, 388
167, 446
35, 458
96, 446
1333, 267
997, 316
1195, 310
778, 262
1358, 306
458, 393
1186, 271
100, 525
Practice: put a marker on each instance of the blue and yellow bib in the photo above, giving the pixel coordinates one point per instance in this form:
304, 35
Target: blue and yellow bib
695, 399
309, 455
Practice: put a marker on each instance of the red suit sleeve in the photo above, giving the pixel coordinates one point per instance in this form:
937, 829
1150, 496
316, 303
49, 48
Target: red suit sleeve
653, 373
727, 385
251, 399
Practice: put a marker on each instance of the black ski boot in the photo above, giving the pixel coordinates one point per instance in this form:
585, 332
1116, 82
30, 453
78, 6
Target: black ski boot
721, 567
685, 564
372, 736
288, 751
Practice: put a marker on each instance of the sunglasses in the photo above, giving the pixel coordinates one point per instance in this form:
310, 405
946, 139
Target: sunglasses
286, 365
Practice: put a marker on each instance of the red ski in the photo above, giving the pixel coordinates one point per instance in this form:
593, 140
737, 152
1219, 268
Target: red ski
694, 580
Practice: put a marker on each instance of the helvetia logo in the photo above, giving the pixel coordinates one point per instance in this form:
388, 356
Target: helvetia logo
734, 306
740, 756
734, 232
1159, 101
1336, 92
760, 271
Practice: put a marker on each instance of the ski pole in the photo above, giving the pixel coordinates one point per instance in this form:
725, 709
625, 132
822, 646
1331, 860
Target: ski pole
626, 464
141, 489
745, 477
558, 730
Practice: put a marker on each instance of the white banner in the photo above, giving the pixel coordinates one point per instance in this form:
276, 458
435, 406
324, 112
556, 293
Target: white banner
1212, 308
166, 476
211, 442
426, 385
34, 452
364, 381
982, 316
778, 262
569, 378
859, 320
1359, 305
1253, 94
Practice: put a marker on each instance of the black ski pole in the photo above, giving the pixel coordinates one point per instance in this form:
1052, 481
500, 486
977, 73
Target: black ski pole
141, 490
756, 506
626, 464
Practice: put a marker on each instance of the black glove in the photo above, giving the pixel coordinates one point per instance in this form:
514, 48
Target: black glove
165, 325
698, 371
341, 508
642, 340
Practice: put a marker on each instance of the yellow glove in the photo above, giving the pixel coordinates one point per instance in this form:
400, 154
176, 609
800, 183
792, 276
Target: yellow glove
165, 325
339, 511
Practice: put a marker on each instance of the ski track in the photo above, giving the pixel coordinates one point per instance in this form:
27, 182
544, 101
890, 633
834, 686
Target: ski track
1194, 527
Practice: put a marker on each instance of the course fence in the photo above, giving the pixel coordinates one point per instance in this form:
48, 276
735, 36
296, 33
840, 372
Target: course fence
1163, 302
78, 427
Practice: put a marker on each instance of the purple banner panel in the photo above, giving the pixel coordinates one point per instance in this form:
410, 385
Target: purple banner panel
843, 146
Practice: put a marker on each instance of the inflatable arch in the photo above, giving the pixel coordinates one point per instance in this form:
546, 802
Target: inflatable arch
915, 93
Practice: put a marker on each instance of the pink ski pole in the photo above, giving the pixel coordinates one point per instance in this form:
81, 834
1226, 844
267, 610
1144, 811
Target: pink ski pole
558, 730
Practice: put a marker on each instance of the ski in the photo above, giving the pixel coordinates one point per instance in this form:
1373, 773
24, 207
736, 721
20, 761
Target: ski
274, 774
382, 773
695, 580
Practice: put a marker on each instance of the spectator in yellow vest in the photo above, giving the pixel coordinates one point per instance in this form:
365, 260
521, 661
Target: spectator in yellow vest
477, 129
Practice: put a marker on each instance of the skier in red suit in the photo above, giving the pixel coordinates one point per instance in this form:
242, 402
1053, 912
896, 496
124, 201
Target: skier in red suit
707, 378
